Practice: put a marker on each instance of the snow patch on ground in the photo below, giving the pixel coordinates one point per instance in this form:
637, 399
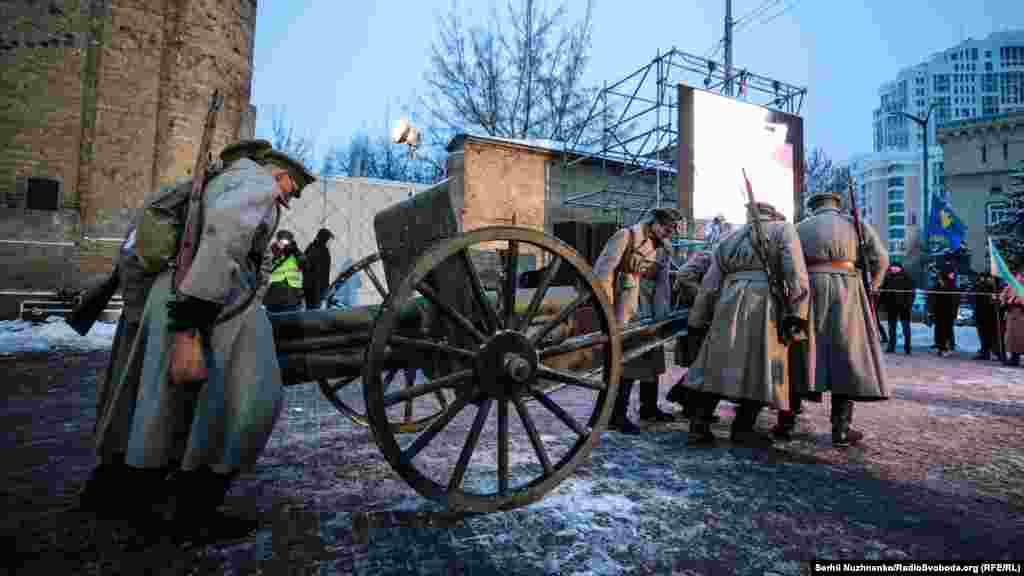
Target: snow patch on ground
53, 335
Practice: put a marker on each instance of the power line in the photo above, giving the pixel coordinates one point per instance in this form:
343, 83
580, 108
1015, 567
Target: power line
749, 16
783, 11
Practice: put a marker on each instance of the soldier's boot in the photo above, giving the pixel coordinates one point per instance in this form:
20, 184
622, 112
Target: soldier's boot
1012, 359
194, 516
786, 427
649, 403
678, 394
842, 416
620, 421
117, 491
105, 486
703, 406
743, 431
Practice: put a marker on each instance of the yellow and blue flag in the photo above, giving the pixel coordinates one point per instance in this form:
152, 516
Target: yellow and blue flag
999, 269
945, 223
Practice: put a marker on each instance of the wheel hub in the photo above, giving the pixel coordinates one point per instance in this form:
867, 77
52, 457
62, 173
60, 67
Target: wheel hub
506, 365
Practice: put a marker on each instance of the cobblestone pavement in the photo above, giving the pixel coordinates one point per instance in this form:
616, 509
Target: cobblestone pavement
941, 476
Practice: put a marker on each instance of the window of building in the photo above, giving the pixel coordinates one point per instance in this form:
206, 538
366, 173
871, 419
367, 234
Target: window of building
996, 190
42, 194
974, 53
895, 181
895, 207
896, 233
896, 220
896, 195
1006, 151
896, 246
988, 53
997, 212
984, 154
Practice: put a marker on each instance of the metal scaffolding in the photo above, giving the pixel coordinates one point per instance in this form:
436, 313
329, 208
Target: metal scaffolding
643, 137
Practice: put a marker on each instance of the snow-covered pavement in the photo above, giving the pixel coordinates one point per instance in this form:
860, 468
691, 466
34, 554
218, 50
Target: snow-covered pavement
53, 335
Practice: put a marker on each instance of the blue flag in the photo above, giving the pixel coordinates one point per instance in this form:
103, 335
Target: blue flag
944, 223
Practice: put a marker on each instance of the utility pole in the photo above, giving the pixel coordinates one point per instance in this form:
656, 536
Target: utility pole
728, 48
926, 217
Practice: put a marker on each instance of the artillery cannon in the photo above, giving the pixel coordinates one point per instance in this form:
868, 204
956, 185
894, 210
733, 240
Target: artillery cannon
467, 339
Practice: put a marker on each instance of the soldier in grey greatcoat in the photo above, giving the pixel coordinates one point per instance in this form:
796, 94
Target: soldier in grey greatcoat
844, 350
180, 446
630, 257
743, 358
688, 283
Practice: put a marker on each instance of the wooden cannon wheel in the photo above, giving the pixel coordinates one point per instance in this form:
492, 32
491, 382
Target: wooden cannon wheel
496, 361
415, 414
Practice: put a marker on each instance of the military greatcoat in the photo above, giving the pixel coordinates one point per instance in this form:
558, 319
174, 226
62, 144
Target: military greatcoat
845, 354
225, 422
741, 357
633, 270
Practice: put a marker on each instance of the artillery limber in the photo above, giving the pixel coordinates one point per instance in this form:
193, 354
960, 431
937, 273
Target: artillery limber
466, 339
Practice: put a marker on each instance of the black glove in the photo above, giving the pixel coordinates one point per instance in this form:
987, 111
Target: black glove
793, 326
189, 313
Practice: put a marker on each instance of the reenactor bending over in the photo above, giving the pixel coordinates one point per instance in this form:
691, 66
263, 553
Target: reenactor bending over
631, 255
743, 358
844, 351
172, 449
688, 282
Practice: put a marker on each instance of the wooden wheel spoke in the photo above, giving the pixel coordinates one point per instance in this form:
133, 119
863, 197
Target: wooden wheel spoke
341, 383
563, 315
435, 385
493, 322
459, 319
569, 378
560, 413
376, 281
502, 447
539, 293
441, 399
470, 446
429, 346
435, 428
574, 344
509, 293
410, 381
531, 430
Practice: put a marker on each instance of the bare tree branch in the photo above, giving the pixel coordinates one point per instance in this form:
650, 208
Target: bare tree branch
517, 76
284, 138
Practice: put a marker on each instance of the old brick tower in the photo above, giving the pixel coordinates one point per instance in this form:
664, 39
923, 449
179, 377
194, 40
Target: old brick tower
100, 102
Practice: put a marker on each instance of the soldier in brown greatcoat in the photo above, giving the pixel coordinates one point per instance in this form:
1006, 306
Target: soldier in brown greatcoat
634, 254
742, 358
844, 352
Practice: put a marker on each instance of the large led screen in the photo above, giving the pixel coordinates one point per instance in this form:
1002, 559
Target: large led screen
720, 138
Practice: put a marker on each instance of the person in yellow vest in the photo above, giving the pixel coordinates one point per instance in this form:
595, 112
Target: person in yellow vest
284, 293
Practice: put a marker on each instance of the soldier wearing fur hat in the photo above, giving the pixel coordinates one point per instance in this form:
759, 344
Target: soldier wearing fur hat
844, 354
633, 269
742, 358
170, 450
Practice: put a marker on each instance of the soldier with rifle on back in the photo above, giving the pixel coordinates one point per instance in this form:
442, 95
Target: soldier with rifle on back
174, 428
846, 262
758, 278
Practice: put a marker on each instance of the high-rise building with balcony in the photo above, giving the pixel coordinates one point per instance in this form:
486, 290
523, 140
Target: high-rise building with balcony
976, 78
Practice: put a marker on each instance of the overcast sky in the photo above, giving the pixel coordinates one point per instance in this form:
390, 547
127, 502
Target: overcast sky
334, 66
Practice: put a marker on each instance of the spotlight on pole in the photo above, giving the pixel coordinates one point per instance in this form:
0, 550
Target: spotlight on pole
406, 133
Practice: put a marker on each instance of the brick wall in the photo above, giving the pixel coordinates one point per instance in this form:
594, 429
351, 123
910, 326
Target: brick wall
108, 97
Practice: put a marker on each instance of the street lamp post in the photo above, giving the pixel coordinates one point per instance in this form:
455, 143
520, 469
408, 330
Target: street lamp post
925, 218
